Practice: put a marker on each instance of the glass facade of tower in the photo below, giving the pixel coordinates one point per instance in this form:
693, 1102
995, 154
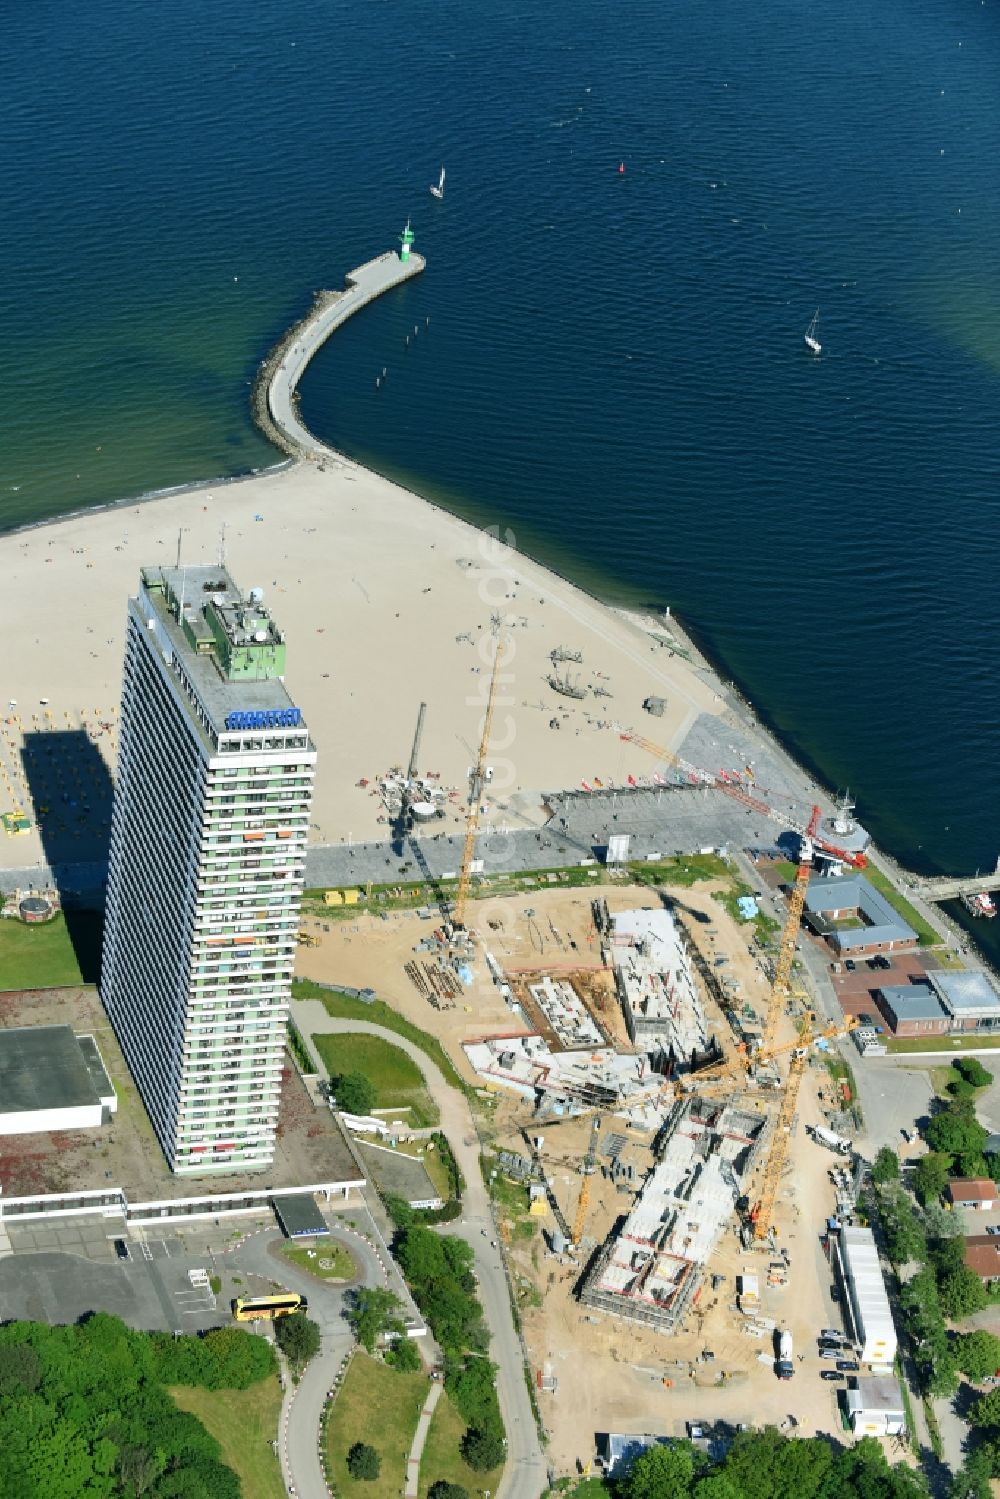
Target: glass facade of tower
206, 867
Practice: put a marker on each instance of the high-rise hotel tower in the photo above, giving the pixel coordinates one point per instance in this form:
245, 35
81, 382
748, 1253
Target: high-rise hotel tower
206, 867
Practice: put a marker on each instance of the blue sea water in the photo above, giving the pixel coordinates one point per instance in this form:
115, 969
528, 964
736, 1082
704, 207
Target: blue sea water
614, 366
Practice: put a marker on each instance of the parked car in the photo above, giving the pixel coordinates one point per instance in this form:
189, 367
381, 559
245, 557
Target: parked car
850, 964
848, 1365
121, 1249
830, 1353
832, 1334
993, 1228
830, 1374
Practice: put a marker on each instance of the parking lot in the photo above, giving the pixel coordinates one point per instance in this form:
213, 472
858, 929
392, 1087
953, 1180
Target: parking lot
59, 1271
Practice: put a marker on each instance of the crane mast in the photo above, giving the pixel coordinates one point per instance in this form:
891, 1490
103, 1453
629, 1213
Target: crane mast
478, 781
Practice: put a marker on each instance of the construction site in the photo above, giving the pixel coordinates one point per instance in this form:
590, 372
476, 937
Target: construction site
652, 1074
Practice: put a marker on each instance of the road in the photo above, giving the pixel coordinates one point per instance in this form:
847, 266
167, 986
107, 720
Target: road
303, 1408
525, 1473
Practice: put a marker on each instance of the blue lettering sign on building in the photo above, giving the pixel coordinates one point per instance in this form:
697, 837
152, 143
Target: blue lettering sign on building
270, 718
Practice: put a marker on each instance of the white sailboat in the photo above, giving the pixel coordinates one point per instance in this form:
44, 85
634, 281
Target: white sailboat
812, 342
437, 191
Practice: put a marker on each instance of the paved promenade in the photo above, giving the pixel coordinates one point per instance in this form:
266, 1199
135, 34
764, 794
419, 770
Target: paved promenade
332, 310
524, 1474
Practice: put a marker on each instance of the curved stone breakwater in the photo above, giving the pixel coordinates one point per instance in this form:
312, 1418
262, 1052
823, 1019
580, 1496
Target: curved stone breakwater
275, 396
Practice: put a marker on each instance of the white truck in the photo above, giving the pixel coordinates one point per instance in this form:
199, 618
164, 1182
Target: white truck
783, 1366
831, 1140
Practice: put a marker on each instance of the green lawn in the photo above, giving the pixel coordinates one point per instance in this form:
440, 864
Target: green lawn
377, 1405
340, 1264
397, 1080
944, 1074
684, 870
244, 1423
432, 1162
343, 1007
38, 957
942, 1043
443, 1456
926, 934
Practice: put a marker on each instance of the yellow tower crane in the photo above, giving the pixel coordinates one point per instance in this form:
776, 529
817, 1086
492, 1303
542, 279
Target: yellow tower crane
588, 1168
763, 1213
477, 787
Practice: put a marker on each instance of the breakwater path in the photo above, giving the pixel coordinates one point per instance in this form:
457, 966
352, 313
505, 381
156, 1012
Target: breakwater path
275, 401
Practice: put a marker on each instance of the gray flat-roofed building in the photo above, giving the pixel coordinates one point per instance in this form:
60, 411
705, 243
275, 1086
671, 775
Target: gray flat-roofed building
912, 1010
206, 866
299, 1216
50, 1080
875, 1405
878, 926
970, 999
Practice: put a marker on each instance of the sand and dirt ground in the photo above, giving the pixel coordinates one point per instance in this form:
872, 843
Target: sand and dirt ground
610, 1373
386, 602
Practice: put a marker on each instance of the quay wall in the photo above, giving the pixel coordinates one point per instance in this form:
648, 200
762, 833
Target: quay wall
275, 396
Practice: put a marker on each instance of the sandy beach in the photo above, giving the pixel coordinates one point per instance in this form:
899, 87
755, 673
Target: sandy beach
386, 602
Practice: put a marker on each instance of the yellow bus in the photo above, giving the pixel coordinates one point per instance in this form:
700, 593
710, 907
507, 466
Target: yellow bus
281, 1304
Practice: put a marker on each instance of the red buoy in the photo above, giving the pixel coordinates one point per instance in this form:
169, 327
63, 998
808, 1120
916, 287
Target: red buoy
621, 169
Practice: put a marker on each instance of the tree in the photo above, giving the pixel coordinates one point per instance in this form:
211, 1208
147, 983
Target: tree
659, 1473
960, 1089
371, 1312
403, 1355
139, 1468
354, 1093
363, 1462
442, 1489
298, 1337
715, 1486
930, 1175
886, 1166
972, 1481
961, 1293
943, 1223
905, 1238
986, 1411
20, 1370
956, 1131
973, 1071
978, 1354
972, 1166
483, 1450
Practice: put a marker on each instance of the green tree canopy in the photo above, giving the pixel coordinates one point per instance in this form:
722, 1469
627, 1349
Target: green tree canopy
483, 1449
956, 1131
885, 1167
986, 1411
659, 1473
972, 1069
961, 1293
372, 1311
930, 1175
404, 1355
363, 1462
354, 1093
978, 1354
442, 1489
298, 1337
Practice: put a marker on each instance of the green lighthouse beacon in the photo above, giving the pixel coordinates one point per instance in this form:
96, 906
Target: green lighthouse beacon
406, 243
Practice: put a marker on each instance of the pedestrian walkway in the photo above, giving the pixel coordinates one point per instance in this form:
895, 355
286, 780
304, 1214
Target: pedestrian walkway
524, 1472
419, 1438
